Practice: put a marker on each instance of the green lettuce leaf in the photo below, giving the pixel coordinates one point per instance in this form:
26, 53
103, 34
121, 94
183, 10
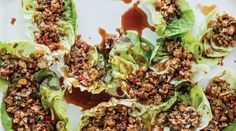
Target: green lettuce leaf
53, 100
133, 49
217, 52
23, 49
95, 60
5, 118
160, 63
196, 98
137, 111
182, 25
67, 24
231, 127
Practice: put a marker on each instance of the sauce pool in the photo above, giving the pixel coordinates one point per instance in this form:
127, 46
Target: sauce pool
135, 19
85, 99
127, 1
205, 10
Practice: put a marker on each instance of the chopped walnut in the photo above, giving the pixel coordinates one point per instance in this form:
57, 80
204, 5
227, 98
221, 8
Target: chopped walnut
46, 17
223, 104
224, 31
23, 101
180, 117
115, 118
169, 9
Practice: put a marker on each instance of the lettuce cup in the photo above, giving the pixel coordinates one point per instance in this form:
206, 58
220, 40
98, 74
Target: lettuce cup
171, 17
176, 59
221, 93
191, 111
115, 115
53, 23
27, 104
217, 36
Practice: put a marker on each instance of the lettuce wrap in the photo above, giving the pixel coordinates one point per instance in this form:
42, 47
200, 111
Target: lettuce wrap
97, 70
217, 37
128, 54
190, 111
128, 114
176, 59
221, 93
53, 23
27, 69
183, 17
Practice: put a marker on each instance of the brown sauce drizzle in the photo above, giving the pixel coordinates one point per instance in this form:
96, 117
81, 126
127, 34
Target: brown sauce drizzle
85, 99
205, 10
127, 1
135, 19
103, 35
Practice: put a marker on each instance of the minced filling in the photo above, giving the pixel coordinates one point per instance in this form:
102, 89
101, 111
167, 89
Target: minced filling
180, 59
48, 13
169, 9
115, 118
181, 116
224, 31
223, 104
23, 101
77, 65
149, 88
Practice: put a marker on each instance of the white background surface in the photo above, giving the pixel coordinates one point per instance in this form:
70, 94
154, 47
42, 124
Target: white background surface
93, 14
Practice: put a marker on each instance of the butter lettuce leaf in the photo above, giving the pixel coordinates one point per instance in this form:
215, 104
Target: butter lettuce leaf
133, 49
67, 24
24, 49
217, 53
179, 26
196, 98
159, 61
5, 118
53, 100
137, 111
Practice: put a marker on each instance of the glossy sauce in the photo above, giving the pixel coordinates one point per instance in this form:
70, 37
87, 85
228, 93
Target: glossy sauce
85, 99
103, 35
205, 10
135, 19
127, 1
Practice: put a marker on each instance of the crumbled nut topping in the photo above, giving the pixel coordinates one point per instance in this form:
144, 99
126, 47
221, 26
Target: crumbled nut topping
48, 13
148, 88
224, 31
115, 118
223, 104
180, 117
23, 101
181, 60
169, 9
77, 64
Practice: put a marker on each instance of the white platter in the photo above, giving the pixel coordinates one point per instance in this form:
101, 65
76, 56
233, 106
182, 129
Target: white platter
93, 14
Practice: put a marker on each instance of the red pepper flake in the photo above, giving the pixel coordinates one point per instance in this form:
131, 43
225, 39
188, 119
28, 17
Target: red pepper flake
15, 45
13, 20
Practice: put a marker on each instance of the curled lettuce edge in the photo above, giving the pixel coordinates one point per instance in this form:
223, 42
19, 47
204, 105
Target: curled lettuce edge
196, 98
53, 101
5, 118
219, 52
199, 70
182, 25
67, 24
129, 47
138, 110
23, 49
95, 58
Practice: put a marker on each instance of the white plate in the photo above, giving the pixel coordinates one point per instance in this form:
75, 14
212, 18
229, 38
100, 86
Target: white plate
93, 14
